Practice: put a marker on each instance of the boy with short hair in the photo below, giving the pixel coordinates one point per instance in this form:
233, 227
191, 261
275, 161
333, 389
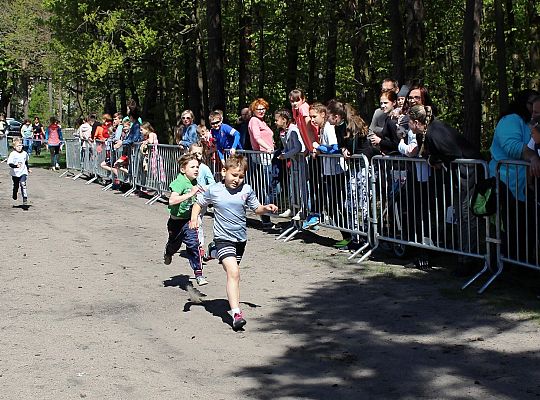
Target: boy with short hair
183, 191
230, 199
18, 162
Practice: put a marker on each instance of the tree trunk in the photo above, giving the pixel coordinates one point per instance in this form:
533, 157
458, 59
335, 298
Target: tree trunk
262, 69
534, 35
123, 98
294, 23
355, 15
502, 81
165, 134
472, 80
150, 92
311, 92
398, 47
331, 56
215, 56
51, 96
244, 57
415, 37
60, 102
512, 48
131, 81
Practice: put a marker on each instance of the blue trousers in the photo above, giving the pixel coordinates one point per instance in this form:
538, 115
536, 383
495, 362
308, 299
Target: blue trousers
179, 232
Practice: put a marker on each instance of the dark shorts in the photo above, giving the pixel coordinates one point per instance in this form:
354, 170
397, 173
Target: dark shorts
226, 248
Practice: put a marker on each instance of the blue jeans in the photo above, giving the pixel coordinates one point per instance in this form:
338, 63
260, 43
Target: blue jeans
27, 145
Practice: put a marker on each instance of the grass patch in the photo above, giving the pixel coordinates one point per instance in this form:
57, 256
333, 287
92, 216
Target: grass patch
44, 160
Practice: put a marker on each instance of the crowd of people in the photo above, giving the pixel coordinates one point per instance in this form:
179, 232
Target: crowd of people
404, 125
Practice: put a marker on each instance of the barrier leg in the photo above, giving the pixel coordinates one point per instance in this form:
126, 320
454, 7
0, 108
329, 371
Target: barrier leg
153, 199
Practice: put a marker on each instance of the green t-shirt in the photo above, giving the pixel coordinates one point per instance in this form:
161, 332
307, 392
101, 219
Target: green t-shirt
182, 185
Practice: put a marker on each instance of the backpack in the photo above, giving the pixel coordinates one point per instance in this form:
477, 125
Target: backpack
484, 198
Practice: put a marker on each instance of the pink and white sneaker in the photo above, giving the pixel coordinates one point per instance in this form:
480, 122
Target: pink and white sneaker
238, 321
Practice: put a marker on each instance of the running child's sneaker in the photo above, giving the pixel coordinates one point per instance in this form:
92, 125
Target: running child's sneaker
238, 321
25, 201
167, 259
201, 280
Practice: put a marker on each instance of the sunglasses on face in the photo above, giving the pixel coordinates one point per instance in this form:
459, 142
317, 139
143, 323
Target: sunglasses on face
215, 123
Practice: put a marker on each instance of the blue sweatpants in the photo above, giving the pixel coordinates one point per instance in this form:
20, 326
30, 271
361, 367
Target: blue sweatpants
179, 232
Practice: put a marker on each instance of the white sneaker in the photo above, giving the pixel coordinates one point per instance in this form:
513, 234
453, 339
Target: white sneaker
201, 280
297, 217
286, 214
57, 166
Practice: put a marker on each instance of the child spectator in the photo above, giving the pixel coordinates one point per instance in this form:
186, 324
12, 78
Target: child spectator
225, 136
230, 199
53, 137
183, 191
102, 131
292, 145
18, 162
204, 180
333, 168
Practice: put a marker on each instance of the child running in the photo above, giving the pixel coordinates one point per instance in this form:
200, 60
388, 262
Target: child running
230, 199
18, 162
204, 180
183, 191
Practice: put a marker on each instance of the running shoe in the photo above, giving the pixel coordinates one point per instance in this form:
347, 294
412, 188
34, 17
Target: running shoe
286, 214
201, 280
297, 217
167, 259
238, 321
312, 221
25, 201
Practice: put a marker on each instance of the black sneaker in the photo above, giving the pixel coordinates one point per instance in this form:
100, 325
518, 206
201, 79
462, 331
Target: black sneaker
238, 321
167, 259
14, 195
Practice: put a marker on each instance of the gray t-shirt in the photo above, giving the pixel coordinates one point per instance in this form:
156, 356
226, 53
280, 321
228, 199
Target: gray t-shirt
229, 210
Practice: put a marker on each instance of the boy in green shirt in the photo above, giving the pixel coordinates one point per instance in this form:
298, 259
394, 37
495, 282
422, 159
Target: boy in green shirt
183, 194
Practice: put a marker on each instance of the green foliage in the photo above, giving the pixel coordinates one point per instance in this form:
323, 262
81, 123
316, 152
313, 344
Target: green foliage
39, 102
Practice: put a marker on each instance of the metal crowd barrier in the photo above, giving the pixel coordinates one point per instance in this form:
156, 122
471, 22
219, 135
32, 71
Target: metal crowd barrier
517, 220
4, 147
399, 200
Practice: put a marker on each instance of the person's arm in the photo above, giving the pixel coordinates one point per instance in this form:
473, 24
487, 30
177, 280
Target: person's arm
296, 146
532, 156
410, 149
195, 211
47, 134
374, 128
60, 137
177, 198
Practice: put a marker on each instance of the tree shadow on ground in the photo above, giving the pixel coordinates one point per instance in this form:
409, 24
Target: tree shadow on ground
382, 336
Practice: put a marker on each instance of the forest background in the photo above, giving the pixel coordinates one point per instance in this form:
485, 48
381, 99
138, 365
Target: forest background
74, 57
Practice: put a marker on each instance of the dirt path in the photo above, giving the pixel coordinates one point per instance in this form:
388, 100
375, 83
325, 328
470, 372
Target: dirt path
89, 311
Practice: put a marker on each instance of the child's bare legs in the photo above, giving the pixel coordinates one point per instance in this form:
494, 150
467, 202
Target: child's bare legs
233, 281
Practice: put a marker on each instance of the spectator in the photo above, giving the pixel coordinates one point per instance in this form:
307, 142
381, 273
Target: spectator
292, 147
379, 116
188, 130
133, 136
333, 168
242, 127
300, 113
53, 137
39, 135
225, 136
442, 145
102, 131
351, 133
27, 134
387, 141
262, 140
510, 142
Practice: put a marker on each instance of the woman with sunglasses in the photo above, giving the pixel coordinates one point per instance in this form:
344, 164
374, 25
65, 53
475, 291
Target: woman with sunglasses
188, 130
225, 136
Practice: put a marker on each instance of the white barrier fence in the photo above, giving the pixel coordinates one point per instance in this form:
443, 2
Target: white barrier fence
399, 200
